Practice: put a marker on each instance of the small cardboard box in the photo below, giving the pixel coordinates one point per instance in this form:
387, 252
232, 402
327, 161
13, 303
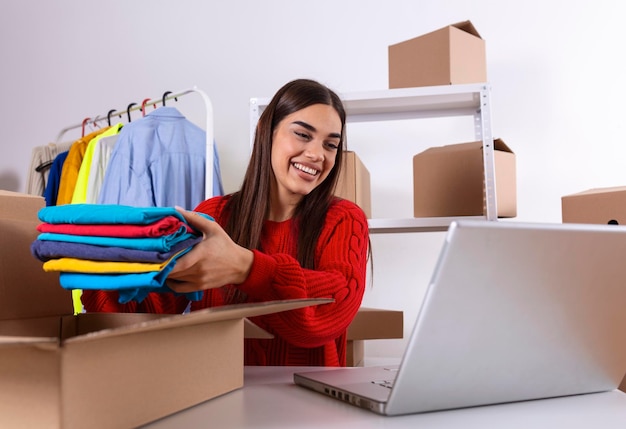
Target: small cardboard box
354, 182
449, 181
451, 55
599, 205
104, 370
372, 324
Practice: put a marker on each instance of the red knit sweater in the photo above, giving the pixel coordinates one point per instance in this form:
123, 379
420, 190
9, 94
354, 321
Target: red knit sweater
310, 336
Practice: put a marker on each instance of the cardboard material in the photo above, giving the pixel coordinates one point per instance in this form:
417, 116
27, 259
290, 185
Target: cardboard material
121, 370
372, 324
96, 370
354, 182
454, 54
106, 370
449, 181
598, 205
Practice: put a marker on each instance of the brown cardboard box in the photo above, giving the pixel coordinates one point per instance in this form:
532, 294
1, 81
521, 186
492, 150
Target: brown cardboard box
451, 55
372, 324
449, 181
354, 182
599, 205
104, 370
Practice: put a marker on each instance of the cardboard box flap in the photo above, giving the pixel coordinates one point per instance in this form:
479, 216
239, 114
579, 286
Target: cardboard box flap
250, 330
18, 206
9, 341
468, 27
498, 144
598, 191
215, 314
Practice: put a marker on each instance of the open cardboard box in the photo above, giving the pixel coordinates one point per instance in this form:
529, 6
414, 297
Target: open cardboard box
114, 370
58, 370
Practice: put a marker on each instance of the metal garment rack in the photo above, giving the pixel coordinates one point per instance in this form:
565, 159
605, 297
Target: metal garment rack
161, 100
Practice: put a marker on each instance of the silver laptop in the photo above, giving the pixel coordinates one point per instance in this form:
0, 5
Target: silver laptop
514, 312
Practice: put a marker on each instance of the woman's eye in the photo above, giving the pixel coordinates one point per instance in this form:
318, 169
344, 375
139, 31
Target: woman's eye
332, 146
302, 135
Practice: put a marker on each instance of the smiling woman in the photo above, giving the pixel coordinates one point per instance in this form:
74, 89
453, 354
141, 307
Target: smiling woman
283, 235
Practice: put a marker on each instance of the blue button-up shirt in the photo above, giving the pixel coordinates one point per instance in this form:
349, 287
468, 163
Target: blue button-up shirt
159, 161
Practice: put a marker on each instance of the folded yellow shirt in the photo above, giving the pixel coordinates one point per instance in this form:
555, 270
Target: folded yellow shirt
75, 265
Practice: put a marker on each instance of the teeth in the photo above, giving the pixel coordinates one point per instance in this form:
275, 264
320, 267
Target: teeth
306, 169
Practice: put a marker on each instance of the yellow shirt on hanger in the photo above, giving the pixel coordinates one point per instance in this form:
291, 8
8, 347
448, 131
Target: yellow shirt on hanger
71, 166
82, 179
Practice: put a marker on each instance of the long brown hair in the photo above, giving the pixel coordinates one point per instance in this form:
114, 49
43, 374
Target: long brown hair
248, 208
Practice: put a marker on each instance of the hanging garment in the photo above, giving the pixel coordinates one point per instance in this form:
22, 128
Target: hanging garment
159, 161
71, 166
41, 160
54, 179
99, 161
80, 188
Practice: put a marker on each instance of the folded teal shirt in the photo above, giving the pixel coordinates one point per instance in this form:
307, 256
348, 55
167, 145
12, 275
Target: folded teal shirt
105, 214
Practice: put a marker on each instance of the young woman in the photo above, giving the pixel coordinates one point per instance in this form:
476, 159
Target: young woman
283, 235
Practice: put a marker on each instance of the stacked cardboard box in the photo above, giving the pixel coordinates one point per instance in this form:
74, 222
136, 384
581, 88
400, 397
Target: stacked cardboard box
454, 54
354, 182
449, 181
598, 205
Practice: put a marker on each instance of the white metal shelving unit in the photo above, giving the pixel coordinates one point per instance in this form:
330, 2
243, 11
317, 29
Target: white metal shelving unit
414, 103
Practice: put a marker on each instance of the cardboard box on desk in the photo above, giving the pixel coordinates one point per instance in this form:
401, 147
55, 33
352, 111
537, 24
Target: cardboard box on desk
372, 324
449, 181
598, 205
454, 54
354, 182
97, 370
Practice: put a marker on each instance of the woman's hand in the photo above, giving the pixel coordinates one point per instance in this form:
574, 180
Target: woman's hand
214, 262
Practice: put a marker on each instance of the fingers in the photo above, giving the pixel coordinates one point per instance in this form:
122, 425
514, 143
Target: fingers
196, 221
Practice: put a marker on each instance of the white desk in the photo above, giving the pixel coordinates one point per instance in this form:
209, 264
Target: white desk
269, 399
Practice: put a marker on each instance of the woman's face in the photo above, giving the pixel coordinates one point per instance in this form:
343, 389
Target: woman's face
304, 148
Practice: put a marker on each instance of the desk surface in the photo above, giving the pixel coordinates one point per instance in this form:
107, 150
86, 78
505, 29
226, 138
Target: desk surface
270, 399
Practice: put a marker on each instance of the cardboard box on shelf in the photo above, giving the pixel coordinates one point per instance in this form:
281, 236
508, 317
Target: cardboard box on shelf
454, 54
354, 182
372, 324
58, 370
449, 181
598, 205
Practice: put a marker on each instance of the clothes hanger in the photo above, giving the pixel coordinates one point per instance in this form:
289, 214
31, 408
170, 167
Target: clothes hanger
143, 106
84, 123
128, 110
109, 116
165, 94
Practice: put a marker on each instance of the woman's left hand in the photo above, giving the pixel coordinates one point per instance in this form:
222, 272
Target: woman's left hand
214, 262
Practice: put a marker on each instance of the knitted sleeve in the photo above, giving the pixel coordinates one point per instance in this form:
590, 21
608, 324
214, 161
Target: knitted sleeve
341, 257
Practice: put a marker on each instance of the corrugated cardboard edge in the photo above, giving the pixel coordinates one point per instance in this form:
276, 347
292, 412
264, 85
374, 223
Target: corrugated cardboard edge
204, 316
597, 191
468, 27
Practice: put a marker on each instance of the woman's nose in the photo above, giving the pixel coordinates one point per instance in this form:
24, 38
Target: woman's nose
315, 151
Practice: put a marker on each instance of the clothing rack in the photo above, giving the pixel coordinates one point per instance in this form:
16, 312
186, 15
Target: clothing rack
149, 102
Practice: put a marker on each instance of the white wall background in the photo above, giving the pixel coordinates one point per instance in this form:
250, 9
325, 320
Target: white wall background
556, 70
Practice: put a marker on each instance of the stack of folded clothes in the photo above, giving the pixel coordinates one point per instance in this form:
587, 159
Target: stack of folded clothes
113, 247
